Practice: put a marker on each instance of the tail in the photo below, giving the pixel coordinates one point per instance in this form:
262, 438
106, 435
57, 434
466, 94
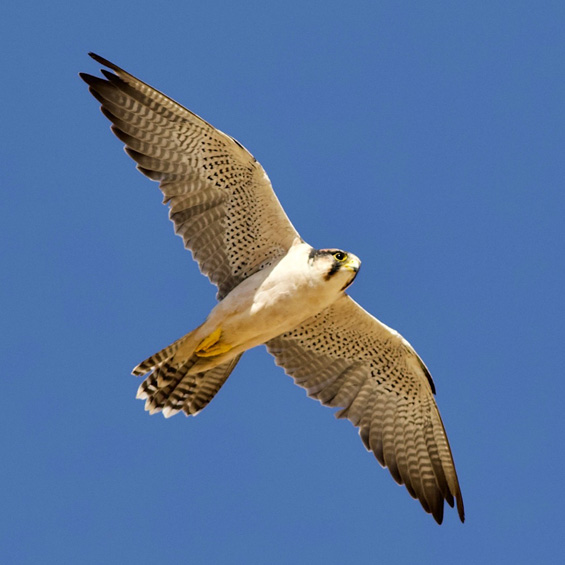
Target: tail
169, 388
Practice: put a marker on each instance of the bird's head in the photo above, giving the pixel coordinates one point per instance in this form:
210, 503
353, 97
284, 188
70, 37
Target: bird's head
336, 266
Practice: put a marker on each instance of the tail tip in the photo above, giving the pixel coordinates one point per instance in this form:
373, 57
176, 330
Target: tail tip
139, 370
151, 408
168, 411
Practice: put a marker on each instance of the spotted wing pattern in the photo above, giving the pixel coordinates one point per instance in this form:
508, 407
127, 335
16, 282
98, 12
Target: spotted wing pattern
220, 198
346, 358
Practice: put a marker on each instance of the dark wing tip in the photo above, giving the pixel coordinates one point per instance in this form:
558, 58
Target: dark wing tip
460, 508
110, 65
103, 61
438, 512
438, 515
89, 79
94, 85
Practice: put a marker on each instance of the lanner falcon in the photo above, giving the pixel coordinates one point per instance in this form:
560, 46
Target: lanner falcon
273, 289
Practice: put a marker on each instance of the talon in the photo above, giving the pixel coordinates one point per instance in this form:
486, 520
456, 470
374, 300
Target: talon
208, 342
211, 345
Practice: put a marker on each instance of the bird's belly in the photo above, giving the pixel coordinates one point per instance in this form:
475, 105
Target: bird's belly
252, 316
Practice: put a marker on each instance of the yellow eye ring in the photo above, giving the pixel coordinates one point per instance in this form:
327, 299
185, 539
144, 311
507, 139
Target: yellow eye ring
340, 256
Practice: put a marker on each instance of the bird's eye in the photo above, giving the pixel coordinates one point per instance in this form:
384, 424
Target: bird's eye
340, 256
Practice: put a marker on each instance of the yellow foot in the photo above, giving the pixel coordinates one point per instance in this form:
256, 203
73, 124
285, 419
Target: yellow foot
211, 345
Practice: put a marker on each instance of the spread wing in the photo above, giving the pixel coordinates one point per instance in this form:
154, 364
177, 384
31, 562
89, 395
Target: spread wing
221, 201
344, 357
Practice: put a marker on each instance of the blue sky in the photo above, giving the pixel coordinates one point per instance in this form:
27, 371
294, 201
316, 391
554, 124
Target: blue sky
427, 138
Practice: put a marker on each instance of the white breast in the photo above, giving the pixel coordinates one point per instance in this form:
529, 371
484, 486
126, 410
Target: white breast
274, 301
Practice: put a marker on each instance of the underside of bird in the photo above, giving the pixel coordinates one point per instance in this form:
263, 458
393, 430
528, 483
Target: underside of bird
273, 289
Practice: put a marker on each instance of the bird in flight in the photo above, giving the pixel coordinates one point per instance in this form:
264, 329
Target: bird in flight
273, 289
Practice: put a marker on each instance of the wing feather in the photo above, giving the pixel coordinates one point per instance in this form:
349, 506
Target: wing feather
221, 201
346, 358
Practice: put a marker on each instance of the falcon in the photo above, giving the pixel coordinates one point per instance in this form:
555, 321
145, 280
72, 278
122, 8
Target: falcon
273, 289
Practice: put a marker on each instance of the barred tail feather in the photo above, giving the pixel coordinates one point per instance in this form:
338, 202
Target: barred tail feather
158, 359
170, 389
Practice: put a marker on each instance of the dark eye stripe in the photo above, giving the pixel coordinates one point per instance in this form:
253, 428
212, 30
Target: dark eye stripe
319, 252
335, 268
338, 256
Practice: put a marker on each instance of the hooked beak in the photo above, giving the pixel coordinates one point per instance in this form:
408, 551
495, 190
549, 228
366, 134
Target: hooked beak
354, 264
